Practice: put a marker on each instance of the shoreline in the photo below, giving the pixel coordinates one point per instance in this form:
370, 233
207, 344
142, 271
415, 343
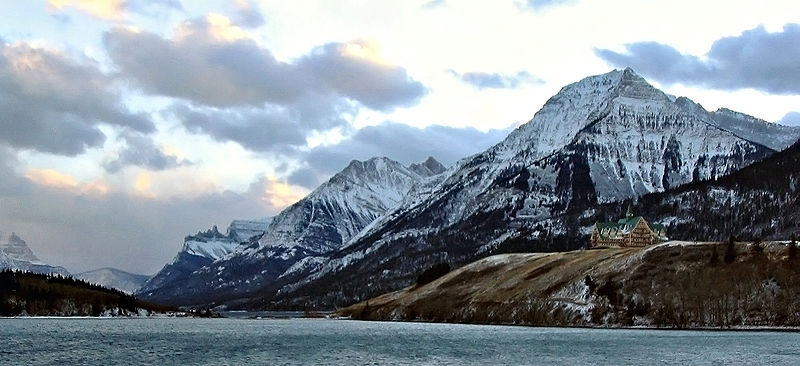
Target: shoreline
741, 328
777, 329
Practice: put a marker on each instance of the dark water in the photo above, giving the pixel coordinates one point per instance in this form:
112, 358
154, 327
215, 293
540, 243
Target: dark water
340, 342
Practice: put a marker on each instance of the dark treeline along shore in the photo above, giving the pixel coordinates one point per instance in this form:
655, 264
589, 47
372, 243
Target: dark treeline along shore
24, 293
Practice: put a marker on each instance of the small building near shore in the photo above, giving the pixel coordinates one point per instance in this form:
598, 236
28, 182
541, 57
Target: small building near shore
630, 231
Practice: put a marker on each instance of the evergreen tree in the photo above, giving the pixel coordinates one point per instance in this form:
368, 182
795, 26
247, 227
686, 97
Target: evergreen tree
730, 249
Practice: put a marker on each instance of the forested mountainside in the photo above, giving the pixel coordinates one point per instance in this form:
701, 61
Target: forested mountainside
24, 293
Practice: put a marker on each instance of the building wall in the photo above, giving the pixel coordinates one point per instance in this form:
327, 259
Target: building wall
640, 236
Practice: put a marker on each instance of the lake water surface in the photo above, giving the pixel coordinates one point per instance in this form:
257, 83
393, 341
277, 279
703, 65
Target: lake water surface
186, 341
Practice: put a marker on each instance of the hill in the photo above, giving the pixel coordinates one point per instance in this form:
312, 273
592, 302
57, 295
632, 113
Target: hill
23, 293
114, 278
674, 284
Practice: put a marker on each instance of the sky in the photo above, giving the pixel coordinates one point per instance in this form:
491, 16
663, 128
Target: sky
127, 124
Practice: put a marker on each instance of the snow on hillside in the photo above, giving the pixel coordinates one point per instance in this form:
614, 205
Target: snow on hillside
114, 279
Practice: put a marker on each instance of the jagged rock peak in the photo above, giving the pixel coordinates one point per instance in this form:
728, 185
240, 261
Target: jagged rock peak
428, 168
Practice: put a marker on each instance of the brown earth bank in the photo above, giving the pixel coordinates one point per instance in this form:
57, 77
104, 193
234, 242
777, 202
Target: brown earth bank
673, 284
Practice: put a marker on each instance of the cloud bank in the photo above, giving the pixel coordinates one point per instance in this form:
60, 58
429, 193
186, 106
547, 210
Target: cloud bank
755, 59
51, 102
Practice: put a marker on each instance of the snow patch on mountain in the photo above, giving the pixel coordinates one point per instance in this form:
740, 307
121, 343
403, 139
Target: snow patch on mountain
114, 278
17, 256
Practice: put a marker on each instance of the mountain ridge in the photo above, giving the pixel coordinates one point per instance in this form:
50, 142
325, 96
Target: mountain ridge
317, 224
605, 139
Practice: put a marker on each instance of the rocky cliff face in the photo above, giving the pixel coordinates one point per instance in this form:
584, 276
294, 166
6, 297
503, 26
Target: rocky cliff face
316, 225
204, 248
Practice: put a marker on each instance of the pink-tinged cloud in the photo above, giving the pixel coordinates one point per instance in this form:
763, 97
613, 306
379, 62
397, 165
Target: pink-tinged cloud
103, 9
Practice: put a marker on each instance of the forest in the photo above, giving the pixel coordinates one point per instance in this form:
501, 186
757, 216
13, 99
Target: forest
33, 294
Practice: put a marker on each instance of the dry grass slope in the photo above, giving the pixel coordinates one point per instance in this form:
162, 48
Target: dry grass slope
674, 284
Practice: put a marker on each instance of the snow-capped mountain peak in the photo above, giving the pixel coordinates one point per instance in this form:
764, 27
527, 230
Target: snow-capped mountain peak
16, 255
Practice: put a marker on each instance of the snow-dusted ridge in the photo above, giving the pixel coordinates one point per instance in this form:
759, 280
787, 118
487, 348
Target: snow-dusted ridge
298, 238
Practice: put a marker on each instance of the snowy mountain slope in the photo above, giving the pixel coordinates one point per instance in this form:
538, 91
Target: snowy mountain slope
16, 255
605, 138
204, 248
318, 224
772, 135
114, 279
13, 246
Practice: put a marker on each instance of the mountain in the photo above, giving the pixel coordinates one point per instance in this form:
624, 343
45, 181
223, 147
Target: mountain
761, 201
204, 248
673, 284
114, 279
16, 255
606, 138
299, 236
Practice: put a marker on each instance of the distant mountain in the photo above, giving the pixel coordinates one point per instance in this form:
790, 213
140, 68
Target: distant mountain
301, 234
606, 138
16, 255
204, 248
114, 279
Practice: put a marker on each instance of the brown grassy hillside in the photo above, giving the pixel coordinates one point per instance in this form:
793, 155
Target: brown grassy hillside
674, 284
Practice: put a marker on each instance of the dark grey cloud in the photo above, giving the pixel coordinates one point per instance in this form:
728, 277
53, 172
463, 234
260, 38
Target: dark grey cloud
141, 150
234, 90
755, 59
247, 15
54, 103
375, 85
397, 141
271, 128
791, 119
493, 80
201, 68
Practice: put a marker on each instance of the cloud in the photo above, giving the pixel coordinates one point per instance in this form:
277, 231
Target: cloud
54, 103
87, 225
103, 9
355, 70
397, 141
140, 150
485, 80
433, 4
247, 14
212, 62
791, 119
112, 9
755, 59
545, 4
272, 128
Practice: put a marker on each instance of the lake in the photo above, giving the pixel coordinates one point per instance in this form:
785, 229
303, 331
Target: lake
188, 341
